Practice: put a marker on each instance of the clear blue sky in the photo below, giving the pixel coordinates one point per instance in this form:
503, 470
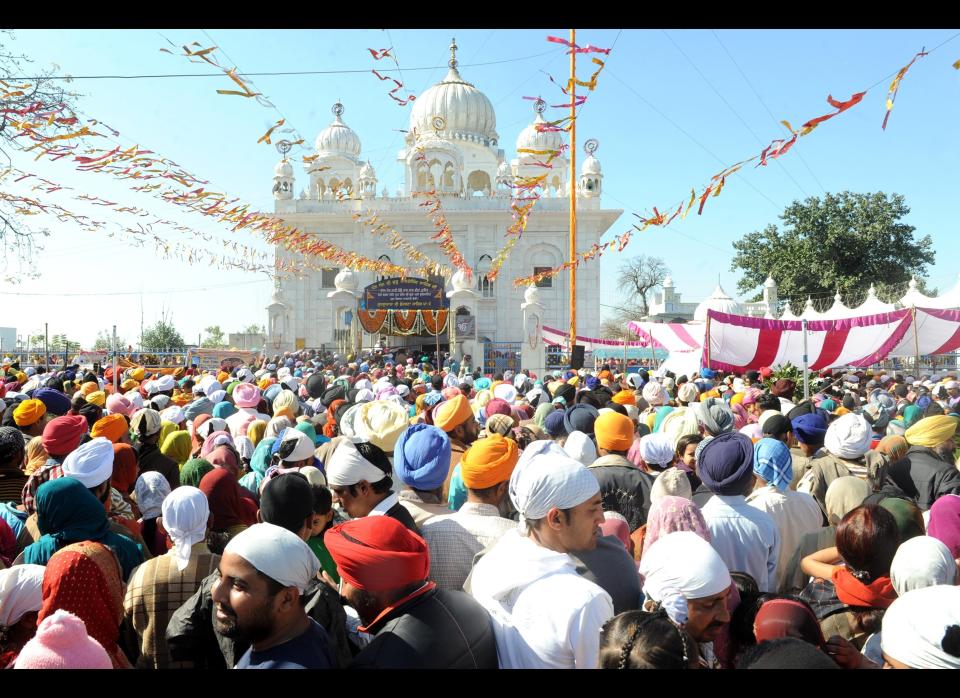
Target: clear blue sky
658, 113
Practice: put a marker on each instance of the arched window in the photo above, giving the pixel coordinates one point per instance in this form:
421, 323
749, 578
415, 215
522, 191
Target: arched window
425, 180
478, 183
449, 181
320, 188
483, 266
383, 258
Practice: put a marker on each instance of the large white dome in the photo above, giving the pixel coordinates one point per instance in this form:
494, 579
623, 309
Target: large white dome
720, 302
466, 112
338, 138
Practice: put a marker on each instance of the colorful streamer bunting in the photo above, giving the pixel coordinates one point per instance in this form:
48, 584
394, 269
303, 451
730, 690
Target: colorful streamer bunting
895, 87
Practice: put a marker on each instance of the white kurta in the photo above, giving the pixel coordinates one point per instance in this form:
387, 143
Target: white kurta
796, 514
545, 615
745, 538
243, 416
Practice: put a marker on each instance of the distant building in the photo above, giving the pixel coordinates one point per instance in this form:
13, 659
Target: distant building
667, 306
8, 339
246, 340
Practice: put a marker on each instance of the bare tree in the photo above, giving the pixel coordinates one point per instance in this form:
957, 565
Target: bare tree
35, 98
639, 277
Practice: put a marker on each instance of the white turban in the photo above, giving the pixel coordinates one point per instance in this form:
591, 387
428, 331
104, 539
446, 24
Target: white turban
244, 447
365, 395
348, 422
185, 513
300, 445
546, 479
654, 394
672, 482
347, 467
151, 488
580, 447
277, 553
680, 422
849, 436
915, 624
505, 391
450, 381
363, 384
91, 463
163, 384
657, 449
381, 422
922, 561
274, 427
173, 414
135, 398
680, 566
21, 592
209, 384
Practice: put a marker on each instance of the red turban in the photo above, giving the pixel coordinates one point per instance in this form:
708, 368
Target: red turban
378, 553
62, 435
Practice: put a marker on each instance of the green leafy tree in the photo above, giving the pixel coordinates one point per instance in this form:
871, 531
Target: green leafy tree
844, 242
214, 338
105, 341
162, 336
254, 329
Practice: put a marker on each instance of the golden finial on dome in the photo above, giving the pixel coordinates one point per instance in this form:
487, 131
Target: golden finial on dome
453, 54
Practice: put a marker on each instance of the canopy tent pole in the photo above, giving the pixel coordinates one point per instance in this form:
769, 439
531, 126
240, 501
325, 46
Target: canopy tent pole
806, 372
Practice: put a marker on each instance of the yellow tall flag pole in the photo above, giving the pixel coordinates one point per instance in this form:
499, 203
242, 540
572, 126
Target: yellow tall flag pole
573, 190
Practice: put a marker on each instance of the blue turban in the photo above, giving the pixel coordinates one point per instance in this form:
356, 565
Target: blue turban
272, 392
772, 462
421, 457
580, 418
224, 410
725, 463
69, 375
568, 375
56, 402
433, 398
924, 402
197, 408
810, 428
592, 382
707, 373
481, 383
553, 424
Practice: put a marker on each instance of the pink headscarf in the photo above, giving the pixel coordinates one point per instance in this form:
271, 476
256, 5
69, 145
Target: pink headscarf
211, 442
671, 514
633, 455
616, 526
740, 416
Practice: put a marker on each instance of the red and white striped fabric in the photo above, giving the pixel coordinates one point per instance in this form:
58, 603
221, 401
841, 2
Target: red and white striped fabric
739, 343
554, 336
670, 336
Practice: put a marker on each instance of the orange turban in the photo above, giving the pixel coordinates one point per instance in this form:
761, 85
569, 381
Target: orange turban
265, 383
488, 462
88, 388
625, 397
222, 376
605, 375
97, 397
113, 426
614, 431
452, 413
29, 412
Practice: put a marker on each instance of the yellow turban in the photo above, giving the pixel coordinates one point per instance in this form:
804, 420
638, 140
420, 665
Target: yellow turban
625, 397
574, 381
222, 376
614, 431
420, 403
482, 398
453, 413
488, 462
138, 374
931, 431
113, 426
264, 383
129, 385
29, 412
21, 376
737, 399
97, 397
89, 387
255, 431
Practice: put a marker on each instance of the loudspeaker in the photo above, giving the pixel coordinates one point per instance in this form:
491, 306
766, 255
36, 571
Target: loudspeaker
576, 359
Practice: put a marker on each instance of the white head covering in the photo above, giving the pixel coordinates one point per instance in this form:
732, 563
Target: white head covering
680, 422
657, 449
348, 421
848, 436
655, 394
914, 626
505, 391
451, 381
365, 395
922, 561
91, 463
21, 592
363, 384
173, 414
548, 478
217, 396
302, 446
211, 425
580, 447
185, 513
314, 476
244, 446
672, 482
209, 384
151, 488
381, 422
274, 427
163, 384
277, 553
680, 566
347, 467
135, 398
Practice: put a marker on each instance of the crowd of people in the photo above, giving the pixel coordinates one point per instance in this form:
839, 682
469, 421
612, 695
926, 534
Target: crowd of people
314, 511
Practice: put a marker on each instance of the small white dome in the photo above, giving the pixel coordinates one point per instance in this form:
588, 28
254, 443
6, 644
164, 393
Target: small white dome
591, 166
668, 282
532, 294
367, 171
503, 170
346, 280
466, 112
460, 282
532, 139
338, 138
283, 169
720, 302
769, 283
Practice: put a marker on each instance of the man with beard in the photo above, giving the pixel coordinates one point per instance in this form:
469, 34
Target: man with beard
263, 572
927, 471
455, 416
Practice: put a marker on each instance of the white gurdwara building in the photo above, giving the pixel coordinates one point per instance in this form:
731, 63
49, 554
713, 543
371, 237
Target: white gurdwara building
462, 160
